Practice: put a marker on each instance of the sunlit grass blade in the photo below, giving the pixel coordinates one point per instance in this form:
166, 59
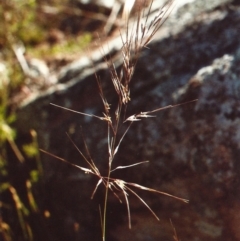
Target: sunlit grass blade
116, 148
155, 191
168, 107
95, 189
135, 164
86, 170
154, 214
145, 114
81, 113
122, 186
90, 163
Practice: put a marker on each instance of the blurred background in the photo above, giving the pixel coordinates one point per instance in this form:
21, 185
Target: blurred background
49, 53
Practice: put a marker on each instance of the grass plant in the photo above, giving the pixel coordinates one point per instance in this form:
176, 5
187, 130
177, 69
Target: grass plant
136, 37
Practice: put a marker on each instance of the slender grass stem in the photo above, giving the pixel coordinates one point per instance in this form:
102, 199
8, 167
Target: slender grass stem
111, 146
105, 205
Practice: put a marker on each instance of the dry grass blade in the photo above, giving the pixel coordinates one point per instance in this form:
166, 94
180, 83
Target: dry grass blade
91, 162
95, 189
148, 31
124, 187
122, 90
154, 214
105, 103
169, 106
121, 185
128, 209
116, 148
94, 170
156, 191
129, 56
86, 170
105, 118
111, 186
123, 167
175, 237
136, 117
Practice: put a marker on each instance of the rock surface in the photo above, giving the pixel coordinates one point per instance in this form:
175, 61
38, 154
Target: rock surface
193, 148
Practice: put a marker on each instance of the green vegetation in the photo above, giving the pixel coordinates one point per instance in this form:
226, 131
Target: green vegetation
27, 22
14, 204
16, 17
65, 48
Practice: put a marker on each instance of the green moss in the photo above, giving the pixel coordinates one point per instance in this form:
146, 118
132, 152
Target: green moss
31, 34
67, 47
